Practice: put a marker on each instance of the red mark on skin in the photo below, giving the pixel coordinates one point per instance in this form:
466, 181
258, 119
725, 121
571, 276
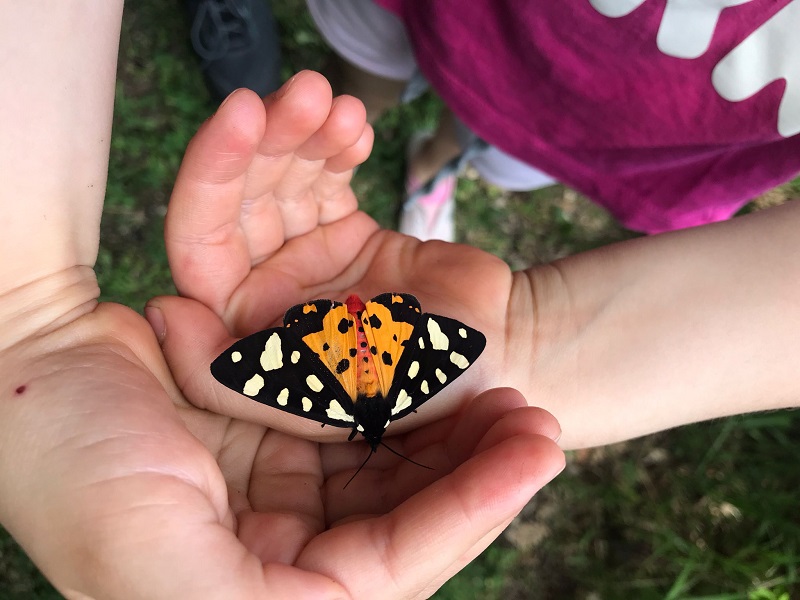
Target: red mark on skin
21, 389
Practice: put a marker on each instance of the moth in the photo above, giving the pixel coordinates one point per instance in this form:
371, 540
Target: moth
352, 365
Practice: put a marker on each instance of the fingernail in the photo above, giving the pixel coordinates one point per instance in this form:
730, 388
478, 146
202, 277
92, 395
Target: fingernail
224, 102
284, 89
155, 317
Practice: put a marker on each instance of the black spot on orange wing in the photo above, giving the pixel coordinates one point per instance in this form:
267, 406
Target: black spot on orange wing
344, 324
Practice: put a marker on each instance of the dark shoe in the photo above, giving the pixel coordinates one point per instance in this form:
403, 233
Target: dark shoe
237, 41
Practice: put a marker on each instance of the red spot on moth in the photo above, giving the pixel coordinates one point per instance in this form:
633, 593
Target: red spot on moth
354, 304
366, 380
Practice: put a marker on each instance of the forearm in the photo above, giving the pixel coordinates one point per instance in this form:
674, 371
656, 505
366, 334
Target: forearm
663, 331
58, 64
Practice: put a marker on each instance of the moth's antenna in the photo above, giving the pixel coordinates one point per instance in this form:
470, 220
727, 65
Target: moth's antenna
413, 462
359, 469
393, 451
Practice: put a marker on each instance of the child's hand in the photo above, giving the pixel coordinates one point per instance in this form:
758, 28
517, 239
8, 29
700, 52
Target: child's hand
263, 217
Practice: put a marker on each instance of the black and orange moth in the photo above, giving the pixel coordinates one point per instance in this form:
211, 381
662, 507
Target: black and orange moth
352, 365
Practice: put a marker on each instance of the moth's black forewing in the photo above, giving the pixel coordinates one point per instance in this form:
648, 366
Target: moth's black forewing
435, 366
286, 387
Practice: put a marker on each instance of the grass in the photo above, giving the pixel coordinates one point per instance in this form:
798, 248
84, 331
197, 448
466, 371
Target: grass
701, 512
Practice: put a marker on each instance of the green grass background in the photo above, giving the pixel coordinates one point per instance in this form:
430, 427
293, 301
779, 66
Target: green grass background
703, 512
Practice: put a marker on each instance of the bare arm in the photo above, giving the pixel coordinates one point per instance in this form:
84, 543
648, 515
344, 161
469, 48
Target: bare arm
56, 126
657, 332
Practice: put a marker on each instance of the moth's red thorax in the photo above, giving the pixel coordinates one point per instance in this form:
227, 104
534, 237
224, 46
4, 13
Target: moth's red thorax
367, 375
354, 304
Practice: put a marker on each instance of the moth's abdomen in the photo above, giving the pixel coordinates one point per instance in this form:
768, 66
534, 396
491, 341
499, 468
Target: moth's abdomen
367, 384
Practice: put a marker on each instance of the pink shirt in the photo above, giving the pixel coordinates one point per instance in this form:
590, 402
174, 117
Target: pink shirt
670, 114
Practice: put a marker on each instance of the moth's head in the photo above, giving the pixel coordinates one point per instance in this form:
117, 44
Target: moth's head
372, 440
354, 304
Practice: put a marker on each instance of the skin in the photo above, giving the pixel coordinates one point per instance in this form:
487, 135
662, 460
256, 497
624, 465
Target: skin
123, 480
636, 337
379, 95
113, 482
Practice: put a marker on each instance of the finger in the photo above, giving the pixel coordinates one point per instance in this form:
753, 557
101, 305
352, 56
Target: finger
218, 223
425, 445
460, 433
283, 493
446, 519
192, 336
299, 192
335, 197
467, 557
207, 251
180, 553
325, 263
294, 113
354, 155
294, 116
495, 416
343, 127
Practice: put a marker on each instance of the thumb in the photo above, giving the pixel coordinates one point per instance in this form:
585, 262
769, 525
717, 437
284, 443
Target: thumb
191, 336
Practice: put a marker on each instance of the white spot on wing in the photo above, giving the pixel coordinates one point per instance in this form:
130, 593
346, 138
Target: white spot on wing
283, 397
459, 360
413, 369
314, 383
421, 344
441, 376
236, 356
295, 357
403, 402
306, 404
335, 411
424, 387
253, 385
462, 332
439, 340
272, 356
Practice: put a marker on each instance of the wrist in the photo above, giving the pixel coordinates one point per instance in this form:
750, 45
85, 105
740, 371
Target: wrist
45, 304
541, 343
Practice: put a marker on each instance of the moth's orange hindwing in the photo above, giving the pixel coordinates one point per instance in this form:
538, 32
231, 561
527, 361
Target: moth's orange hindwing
438, 351
389, 320
328, 329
